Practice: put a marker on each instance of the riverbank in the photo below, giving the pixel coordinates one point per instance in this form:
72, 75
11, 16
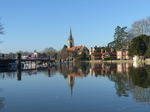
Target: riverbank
146, 61
121, 61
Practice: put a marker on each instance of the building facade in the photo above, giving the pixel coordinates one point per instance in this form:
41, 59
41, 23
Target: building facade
74, 51
103, 54
122, 54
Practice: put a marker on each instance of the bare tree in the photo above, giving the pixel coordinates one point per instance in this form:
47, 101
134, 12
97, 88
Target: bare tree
49, 50
1, 29
141, 27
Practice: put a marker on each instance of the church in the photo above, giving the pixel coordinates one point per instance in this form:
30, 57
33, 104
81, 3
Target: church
74, 51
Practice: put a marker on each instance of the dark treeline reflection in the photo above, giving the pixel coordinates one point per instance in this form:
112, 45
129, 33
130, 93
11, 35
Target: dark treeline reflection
140, 76
129, 78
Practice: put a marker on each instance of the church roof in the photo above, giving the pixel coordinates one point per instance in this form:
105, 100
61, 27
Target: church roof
79, 48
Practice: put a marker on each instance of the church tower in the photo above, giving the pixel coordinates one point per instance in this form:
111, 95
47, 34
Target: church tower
70, 40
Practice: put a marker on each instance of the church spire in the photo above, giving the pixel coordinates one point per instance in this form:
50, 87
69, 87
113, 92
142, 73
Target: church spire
70, 32
70, 40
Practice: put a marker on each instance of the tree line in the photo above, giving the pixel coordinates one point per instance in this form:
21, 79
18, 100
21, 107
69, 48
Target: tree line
136, 39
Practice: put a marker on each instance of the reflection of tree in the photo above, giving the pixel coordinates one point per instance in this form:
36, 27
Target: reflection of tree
140, 76
84, 67
1, 101
48, 71
121, 85
141, 94
78, 69
72, 70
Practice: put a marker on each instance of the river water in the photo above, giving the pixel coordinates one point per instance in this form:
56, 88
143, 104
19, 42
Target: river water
81, 87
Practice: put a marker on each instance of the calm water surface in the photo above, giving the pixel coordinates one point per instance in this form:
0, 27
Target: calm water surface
77, 88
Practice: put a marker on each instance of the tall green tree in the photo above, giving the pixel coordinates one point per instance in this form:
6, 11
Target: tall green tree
148, 51
139, 45
82, 57
63, 53
119, 38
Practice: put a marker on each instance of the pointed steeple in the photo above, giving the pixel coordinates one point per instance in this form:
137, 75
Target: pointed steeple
70, 32
70, 40
70, 36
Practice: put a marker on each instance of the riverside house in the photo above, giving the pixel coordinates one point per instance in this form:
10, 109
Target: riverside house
122, 54
103, 54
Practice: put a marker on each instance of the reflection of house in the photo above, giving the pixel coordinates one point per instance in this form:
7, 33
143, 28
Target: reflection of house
80, 74
123, 67
103, 54
122, 54
103, 69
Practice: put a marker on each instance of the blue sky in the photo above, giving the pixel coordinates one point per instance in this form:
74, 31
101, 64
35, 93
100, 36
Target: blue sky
37, 24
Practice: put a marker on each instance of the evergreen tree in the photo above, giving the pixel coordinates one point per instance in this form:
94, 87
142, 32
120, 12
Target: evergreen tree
139, 45
148, 51
119, 38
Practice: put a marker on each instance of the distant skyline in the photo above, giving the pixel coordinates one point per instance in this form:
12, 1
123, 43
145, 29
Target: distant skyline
37, 24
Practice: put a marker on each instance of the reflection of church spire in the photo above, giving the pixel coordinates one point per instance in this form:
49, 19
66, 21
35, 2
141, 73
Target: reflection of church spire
71, 83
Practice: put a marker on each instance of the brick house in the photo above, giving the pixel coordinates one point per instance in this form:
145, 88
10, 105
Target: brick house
122, 54
103, 54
